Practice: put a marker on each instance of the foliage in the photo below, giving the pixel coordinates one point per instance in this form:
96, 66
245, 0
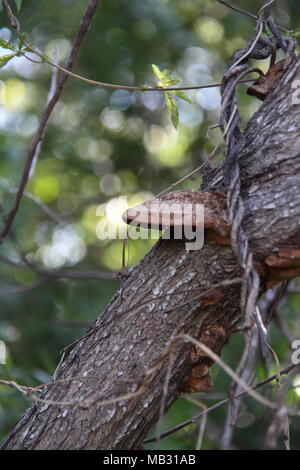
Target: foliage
100, 144
166, 80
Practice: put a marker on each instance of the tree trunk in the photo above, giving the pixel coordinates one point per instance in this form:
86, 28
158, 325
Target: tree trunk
159, 301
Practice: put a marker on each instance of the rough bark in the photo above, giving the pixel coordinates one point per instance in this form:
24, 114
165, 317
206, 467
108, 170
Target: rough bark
138, 323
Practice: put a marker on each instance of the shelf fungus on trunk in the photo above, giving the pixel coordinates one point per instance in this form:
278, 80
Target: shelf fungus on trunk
282, 265
183, 209
198, 378
176, 209
265, 84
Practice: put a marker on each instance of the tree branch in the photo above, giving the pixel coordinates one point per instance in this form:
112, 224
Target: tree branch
121, 347
59, 274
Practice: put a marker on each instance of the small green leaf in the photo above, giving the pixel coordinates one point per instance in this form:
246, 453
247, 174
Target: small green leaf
159, 75
181, 95
5, 59
173, 108
165, 80
171, 81
6, 44
18, 4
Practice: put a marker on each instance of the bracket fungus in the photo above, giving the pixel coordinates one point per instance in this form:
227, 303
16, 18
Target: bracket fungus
265, 84
181, 209
283, 264
198, 378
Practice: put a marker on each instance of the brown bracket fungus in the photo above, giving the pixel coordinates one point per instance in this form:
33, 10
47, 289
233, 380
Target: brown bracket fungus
264, 84
282, 265
179, 208
198, 378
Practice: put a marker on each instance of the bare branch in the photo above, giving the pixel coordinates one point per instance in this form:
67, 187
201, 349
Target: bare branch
59, 274
247, 13
245, 370
15, 24
22, 288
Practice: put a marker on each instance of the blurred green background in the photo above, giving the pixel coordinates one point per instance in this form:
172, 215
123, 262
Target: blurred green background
101, 144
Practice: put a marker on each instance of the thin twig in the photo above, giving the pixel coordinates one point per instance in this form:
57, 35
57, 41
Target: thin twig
59, 274
148, 374
85, 403
22, 288
199, 168
202, 421
245, 370
248, 52
13, 20
193, 172
71, 323
281, 416
164, 398
198, 416
113, 86
44, 207
67, 71
279, 294
15, 24
247, 13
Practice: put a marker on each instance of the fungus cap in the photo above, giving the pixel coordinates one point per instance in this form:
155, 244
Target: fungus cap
178, 208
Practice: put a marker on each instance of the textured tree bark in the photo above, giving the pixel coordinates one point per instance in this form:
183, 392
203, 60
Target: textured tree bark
138, 324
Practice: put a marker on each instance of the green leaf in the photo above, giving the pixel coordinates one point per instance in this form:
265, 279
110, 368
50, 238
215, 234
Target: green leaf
6, 44
5, 59
182, 95
164, 78
165, 74
159, 75
18, 4
173, 108
171, 81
